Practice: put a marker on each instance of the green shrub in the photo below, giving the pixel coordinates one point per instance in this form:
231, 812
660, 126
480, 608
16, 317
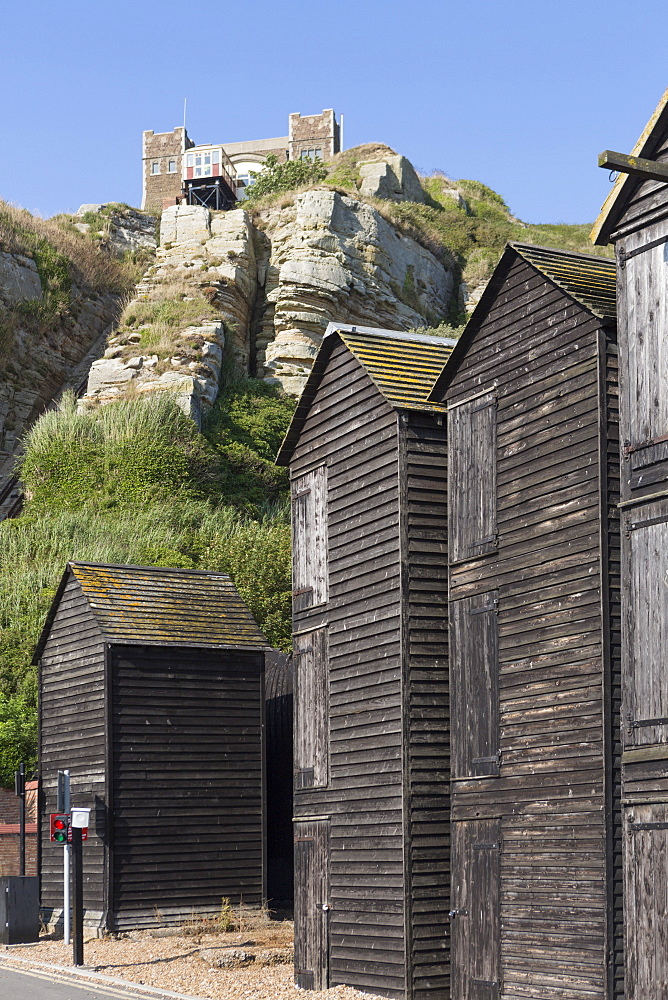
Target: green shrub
278, 177
127, 453
18, 738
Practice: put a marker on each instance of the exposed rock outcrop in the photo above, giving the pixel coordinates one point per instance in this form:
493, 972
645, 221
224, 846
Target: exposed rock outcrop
392, 178
40, 364
336, 258
211, 255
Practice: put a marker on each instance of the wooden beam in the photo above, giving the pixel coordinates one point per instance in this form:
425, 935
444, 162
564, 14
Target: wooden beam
648, 169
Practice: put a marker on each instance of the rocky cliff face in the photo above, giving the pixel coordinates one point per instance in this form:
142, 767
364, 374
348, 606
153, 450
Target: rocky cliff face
37, 365
274, 287
330, 257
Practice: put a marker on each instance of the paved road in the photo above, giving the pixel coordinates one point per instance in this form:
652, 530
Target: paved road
20, 984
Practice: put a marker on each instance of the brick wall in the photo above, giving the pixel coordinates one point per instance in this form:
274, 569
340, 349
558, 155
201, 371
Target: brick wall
314, 132
158, 150
9, 830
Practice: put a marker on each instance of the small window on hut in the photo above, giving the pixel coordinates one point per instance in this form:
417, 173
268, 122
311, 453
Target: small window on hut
311, 709
472, 478
474, 686
309, 539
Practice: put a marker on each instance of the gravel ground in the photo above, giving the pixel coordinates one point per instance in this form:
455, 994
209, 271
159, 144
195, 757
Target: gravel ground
175, 963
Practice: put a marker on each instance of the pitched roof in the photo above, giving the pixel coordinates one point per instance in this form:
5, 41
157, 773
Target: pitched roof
402, 366
149, 605
653, 133
588, 280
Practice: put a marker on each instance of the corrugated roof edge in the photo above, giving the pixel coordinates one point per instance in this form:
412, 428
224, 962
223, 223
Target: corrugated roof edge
477, 316
303, 406
624, 183
44, 634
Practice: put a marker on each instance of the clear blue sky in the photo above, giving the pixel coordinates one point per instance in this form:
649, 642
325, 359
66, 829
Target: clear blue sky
520, 94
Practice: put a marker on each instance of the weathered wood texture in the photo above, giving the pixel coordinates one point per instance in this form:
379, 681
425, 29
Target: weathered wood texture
279, 722
424, 529
166, 745
471, 447
387, 685
311, 905
186, 780
639, 226
476, 927
309, 519
646, 899
73, 734
551, 367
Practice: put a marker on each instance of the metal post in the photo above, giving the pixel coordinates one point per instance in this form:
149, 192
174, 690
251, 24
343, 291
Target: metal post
77, 870
64, 805
21, 792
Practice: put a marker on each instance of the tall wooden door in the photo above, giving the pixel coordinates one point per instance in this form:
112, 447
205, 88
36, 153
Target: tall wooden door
475, 917
312, 904
646, 902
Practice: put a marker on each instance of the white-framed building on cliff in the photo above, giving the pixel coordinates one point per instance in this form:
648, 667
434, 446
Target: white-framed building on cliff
152, 695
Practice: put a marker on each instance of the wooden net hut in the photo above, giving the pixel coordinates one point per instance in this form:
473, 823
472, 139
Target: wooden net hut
635, 219
368, 471
151, 694
531, 396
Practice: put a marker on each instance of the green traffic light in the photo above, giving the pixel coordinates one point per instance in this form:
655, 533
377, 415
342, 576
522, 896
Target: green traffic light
59, 837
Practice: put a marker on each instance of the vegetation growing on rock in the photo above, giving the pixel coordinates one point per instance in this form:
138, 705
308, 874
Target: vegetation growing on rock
135, 482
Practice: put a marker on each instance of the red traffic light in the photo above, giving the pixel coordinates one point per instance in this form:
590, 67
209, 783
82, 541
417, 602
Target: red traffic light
60, 824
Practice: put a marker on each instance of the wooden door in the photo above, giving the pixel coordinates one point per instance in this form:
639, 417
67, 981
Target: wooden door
312, 904
646, 902
311, 662
474, 686
645, 692
475, 916
472, 529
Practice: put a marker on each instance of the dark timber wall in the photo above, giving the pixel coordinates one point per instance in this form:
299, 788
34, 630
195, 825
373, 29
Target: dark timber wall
372, 806
73, 734
164, 742
534, 573
637, 223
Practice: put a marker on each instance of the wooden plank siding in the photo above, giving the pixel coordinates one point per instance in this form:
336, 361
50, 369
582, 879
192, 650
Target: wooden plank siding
387, 798
551, 365
165, 743
635, 219
186, 779
73, 734
423, 450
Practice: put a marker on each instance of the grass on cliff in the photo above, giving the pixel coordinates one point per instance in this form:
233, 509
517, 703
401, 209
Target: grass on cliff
135, 482
63, 258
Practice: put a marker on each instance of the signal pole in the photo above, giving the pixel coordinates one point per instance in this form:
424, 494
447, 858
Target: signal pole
64, 803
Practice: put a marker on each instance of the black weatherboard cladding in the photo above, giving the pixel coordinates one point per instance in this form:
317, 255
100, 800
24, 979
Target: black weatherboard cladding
164, 741
385, 803
534, 616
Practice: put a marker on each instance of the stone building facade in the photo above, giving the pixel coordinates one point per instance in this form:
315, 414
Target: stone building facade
162, 167
313, 136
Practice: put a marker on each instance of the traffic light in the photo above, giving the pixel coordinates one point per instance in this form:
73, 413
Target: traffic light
60, 824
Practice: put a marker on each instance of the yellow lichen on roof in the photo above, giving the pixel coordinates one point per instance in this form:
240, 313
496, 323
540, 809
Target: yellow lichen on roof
148, 605
403, 368
591, 280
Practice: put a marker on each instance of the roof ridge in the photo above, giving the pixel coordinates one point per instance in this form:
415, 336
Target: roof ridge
379, 333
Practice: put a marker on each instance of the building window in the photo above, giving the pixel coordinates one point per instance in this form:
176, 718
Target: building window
171, 167
190, 161
318, 154
155, 167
